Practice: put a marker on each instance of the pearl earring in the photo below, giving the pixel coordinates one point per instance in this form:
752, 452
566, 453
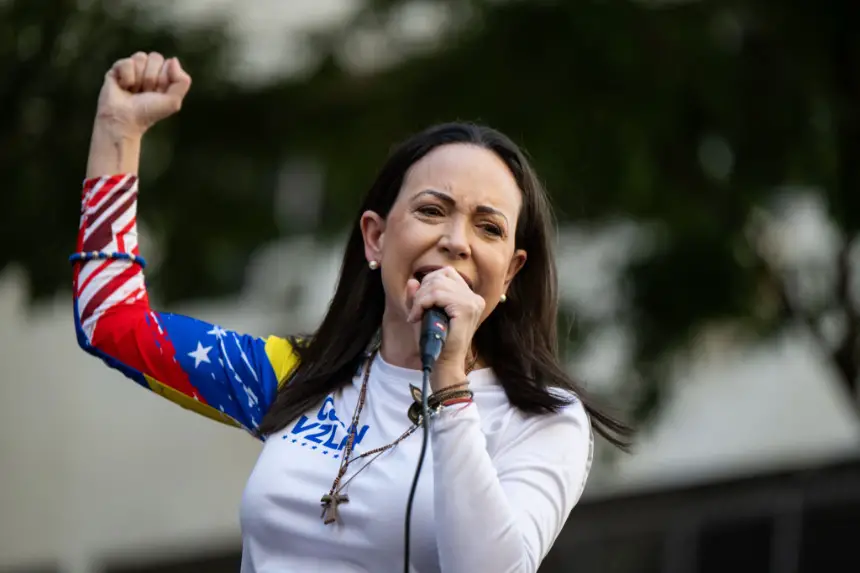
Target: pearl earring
503, 298
373, 265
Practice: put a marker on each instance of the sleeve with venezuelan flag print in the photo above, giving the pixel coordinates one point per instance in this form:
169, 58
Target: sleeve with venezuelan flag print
226, 376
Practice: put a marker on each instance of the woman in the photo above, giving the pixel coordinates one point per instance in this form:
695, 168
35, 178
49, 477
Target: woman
457, 220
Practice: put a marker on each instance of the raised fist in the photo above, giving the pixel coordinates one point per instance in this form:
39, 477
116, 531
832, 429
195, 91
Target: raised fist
140, 91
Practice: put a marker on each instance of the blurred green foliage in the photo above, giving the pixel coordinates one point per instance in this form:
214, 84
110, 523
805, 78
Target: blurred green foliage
689, 117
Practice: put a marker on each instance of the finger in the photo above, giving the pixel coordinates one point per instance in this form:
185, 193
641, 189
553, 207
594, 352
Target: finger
123, 73
416, 310
412, 286
423, 301
139, 61
451, 273
429, 296
180, 82
445, 274
151, 69
163, 79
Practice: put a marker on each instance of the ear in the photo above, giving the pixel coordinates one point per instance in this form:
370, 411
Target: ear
373, 233
518, 260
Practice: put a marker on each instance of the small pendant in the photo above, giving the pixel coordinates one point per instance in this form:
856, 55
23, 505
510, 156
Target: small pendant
414, 411
329, 504
414, 414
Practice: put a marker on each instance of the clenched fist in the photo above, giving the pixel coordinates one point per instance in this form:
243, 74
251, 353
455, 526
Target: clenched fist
140, 91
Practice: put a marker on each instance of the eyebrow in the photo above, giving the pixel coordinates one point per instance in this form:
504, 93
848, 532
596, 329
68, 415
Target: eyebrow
445, 198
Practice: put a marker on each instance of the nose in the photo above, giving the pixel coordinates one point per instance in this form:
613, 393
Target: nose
455, 241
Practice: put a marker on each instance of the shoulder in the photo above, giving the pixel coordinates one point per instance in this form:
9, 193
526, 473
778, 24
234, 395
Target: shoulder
283, 356
568, 428
571, 418
563, 437
573, 410
570, 423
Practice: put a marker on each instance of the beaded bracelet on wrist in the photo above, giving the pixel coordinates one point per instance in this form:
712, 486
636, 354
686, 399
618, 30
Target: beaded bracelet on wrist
447, 394
435, 402
98, 255
455, 401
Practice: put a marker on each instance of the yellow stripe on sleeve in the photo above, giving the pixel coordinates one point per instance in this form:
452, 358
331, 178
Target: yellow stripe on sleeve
190, 403
282, 356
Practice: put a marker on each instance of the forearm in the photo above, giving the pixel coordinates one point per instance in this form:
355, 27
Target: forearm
501, 509
108, 226
112, 151
477, 528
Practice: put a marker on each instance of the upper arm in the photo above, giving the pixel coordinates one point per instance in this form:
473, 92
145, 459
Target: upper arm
227, 376
543, 470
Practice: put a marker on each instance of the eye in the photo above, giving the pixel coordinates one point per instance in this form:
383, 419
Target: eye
431, 210
493, 229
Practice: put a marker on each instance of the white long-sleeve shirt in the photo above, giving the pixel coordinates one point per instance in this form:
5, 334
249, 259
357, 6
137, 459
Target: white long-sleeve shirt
496, 487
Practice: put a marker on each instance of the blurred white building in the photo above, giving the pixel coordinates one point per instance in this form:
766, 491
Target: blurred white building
93, 466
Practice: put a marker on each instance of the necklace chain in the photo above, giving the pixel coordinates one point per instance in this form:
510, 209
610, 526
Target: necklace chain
334, 497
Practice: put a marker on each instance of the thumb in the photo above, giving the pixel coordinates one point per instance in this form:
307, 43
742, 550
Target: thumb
112, 82
412, 286
179, 80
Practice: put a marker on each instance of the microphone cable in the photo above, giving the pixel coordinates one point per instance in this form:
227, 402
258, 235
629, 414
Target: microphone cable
434, 332
425, 423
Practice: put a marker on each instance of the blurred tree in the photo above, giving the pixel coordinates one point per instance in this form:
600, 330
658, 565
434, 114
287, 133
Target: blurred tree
54, 55
689, 118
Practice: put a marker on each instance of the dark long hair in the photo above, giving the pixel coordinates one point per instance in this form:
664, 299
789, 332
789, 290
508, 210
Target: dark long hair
519, 339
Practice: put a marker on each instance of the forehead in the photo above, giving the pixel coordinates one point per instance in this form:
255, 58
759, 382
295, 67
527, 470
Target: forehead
471, 174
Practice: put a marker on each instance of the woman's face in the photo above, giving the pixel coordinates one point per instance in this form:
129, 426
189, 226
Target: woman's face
458, 207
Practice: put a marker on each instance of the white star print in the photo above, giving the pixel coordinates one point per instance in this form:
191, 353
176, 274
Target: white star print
200, 355
217, 332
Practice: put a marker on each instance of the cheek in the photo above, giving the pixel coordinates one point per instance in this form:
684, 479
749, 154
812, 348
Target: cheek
494, 271
402, 243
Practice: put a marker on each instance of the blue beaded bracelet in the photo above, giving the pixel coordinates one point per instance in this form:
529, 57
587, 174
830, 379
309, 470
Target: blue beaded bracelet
97, 255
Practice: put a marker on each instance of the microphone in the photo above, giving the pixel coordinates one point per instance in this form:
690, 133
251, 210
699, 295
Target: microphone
434, 332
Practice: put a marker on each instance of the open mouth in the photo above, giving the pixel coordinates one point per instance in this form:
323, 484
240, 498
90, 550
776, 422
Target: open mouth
424, 271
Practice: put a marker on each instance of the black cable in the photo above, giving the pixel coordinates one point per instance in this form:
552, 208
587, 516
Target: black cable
425, 417
434, 332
